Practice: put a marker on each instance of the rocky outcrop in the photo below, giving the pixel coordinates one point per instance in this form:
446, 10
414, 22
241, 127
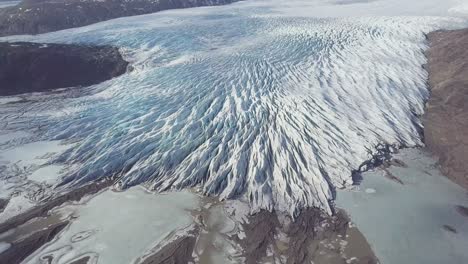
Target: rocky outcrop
3, 204
446, 122
34, 67
313, 237
462, 210
41, 16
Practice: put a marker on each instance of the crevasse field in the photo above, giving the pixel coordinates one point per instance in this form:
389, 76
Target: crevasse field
277, 101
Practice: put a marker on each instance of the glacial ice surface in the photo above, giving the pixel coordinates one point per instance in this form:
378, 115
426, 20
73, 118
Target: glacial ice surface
278, 101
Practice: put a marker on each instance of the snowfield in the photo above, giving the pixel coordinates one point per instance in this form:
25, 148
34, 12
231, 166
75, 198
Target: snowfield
275, 100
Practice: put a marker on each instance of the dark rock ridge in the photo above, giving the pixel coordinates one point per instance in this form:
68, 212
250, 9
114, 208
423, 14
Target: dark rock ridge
34, 67
3, 204
22, 248
41, 16
381, 156
462, 210
445, 121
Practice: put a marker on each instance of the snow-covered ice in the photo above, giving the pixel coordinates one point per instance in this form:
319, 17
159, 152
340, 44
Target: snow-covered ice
16, 205
48, 174
277, 101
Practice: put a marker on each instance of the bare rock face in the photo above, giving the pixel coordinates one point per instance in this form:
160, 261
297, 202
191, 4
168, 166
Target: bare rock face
313, 237
3, 204
446, 122
41, 16
462, 210
34, 67
260, 233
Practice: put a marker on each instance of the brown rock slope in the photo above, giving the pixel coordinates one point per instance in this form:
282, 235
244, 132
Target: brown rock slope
313, 237
446, 119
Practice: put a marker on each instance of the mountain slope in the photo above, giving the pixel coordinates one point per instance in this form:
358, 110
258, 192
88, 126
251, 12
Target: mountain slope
35, 17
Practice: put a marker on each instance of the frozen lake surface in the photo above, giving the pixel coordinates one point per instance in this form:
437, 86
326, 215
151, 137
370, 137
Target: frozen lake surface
118, 227
414, 221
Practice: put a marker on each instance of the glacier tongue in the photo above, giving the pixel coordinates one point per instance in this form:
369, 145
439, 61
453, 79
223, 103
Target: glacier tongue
240, 100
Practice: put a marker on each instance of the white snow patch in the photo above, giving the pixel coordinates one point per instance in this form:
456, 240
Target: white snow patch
17, 205
238, 210
4, 247
21, 162
47, 174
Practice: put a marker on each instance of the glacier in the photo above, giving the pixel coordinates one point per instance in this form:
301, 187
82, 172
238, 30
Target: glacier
275, 101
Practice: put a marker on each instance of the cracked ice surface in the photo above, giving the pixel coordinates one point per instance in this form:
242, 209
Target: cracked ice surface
246, 99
